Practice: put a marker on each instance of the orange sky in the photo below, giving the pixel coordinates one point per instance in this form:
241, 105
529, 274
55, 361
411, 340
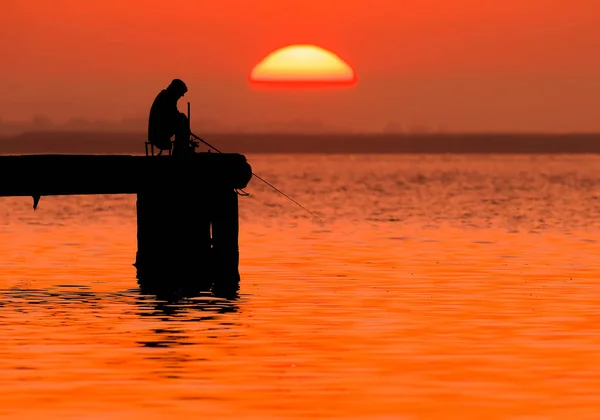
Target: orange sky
457, 64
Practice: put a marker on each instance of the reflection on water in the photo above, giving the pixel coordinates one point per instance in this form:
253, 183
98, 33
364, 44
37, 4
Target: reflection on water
60, 300
176, 289
439, 287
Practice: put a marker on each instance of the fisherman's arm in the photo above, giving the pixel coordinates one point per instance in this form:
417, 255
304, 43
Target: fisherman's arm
167, 107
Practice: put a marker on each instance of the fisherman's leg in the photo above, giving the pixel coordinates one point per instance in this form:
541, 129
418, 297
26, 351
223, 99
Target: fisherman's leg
182, 135
162, 139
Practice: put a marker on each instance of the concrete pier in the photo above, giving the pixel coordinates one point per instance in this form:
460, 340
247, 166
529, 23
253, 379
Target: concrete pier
187, 209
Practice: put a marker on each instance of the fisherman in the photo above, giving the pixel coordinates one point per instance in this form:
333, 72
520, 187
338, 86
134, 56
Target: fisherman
166, 120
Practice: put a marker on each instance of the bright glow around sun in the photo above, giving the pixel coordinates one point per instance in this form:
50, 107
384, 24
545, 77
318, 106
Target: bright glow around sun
302, 64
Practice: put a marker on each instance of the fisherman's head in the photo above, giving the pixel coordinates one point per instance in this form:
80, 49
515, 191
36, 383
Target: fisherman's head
177, 87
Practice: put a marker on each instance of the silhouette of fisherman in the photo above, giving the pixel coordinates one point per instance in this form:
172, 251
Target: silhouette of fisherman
166, 120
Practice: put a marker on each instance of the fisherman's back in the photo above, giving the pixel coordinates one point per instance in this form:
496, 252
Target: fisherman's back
163, 117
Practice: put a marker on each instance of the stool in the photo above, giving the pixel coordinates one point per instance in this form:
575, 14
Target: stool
161, 150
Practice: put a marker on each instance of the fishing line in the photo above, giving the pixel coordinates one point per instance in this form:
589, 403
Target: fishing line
267, 183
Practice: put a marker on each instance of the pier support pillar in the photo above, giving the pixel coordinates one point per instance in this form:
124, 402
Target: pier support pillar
224, 220
188, 240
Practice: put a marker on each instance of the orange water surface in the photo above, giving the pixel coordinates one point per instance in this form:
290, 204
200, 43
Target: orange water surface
438, 287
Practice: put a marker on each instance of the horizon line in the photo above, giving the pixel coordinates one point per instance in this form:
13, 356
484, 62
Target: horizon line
318, 133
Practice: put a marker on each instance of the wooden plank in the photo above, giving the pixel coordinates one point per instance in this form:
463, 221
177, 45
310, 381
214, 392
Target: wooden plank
41, 175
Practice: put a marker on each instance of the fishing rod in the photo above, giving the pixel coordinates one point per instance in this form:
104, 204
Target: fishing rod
268, 183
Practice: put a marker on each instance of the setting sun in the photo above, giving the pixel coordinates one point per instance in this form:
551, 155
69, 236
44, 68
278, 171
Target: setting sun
302, 64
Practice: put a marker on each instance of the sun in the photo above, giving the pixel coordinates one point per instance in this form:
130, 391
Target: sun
302, 65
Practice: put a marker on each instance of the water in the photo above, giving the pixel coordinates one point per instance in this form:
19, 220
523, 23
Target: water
438, 287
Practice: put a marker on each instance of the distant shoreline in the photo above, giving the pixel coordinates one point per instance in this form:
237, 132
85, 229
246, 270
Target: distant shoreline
435, 143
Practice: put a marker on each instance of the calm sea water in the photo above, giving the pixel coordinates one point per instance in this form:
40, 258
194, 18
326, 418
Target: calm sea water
438, 287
